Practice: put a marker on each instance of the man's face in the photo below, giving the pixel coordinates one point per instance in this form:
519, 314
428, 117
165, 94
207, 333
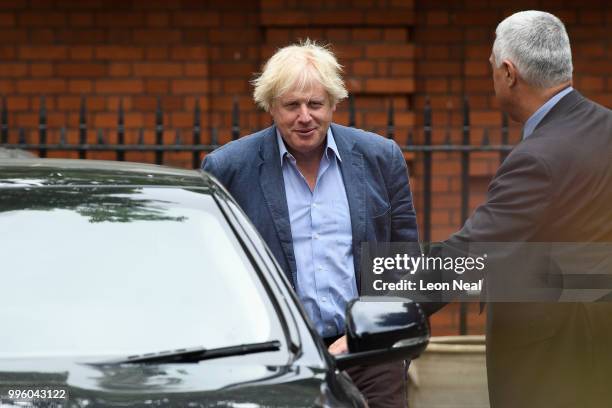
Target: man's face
303, 117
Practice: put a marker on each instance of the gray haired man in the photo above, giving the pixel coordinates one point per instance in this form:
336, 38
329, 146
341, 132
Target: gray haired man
555, 186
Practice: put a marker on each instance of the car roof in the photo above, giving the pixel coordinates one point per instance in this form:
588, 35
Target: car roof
73, 172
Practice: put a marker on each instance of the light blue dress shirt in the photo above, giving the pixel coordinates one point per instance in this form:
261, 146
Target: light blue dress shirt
538, 115
322, 238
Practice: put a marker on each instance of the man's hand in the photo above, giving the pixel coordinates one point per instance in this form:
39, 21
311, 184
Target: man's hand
339, 346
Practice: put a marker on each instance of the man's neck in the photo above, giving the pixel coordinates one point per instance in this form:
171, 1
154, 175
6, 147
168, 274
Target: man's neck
533, 98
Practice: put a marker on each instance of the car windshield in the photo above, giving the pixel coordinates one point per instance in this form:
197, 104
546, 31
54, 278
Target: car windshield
124, 270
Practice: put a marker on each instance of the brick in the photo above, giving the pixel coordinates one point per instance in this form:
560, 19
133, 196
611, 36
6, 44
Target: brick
42, 36
232, 70
42, 52
284, 18
7, 20
81, 52
344, 52
158, 70
85, 37
83, 70
181, 119
439, 68
333, 17
391, 51
438, 35
396, 85
196, 19
484, 118
366, 34
81, 19
180, 86
117, 69
14, 36
336, 35
16, 103
591, 17
436, 52
120, 19
436, 85
235, 20
114, 52
157, 86
588, 50
188, 53
232, 36
195, 36
80, 86
402, 68
391, 17
41, 19
157, 19
363, 68
156, 53
591, 83
37, 86
396, 34
151, 36
436, 17
118, 36
41, 70
197, 70
68, 102
13, 69
488, 18
119, 86
477, 68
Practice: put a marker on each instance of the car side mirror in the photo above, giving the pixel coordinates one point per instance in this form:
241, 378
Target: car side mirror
382, 330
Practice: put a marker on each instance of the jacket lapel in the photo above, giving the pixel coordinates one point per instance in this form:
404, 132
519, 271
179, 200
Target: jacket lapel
353, 175
273, 188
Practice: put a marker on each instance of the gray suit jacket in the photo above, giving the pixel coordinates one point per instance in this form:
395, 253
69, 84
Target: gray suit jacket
555, 186
375, 178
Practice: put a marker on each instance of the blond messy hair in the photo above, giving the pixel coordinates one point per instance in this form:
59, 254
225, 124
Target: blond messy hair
297, 67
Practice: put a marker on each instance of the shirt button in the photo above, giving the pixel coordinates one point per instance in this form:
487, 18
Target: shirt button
316, 236
314, 205
323, 299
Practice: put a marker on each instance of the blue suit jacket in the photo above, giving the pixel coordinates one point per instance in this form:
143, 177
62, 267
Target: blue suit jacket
375, 178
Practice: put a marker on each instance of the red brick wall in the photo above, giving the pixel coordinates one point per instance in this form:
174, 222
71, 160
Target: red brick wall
187, 50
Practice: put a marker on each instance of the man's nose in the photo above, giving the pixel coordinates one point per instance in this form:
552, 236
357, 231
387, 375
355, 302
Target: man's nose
304, 113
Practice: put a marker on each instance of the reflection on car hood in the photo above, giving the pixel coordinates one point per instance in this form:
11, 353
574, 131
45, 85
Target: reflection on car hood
206, 384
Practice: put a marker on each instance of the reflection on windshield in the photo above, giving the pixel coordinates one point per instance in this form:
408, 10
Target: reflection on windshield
83, 275
99, 204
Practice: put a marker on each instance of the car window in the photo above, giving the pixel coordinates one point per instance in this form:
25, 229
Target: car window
97, 271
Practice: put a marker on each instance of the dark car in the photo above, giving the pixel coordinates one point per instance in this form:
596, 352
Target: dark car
138, 285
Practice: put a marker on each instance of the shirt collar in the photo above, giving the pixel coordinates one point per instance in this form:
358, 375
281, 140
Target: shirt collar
330, 145
538, 115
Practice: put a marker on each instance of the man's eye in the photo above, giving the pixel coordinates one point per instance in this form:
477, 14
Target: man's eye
316, 104
292, 105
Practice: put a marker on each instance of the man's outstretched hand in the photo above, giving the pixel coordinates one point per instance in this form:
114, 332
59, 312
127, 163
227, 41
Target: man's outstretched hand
339, 346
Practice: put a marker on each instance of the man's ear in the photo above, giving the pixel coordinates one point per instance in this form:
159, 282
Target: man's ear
510, 73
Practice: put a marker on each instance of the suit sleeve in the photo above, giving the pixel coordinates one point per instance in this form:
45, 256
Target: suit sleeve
403, 216
517, 202
213, 166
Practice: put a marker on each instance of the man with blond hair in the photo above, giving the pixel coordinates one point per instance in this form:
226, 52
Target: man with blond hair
315, 191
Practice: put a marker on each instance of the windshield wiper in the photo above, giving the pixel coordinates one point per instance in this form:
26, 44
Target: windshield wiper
193, 355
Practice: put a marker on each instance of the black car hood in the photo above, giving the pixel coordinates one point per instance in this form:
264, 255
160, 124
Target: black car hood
205, 384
